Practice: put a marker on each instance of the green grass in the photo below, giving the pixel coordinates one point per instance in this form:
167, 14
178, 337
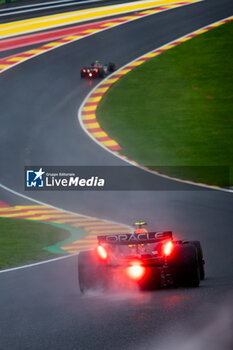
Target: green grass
176, 110
22, 241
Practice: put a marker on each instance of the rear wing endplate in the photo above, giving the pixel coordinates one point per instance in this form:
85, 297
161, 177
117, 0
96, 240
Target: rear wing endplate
135, 238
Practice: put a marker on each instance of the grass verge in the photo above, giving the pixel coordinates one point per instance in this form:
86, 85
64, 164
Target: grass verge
23, 241
176, 110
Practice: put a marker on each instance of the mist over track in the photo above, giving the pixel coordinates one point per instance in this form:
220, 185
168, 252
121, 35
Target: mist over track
41, 307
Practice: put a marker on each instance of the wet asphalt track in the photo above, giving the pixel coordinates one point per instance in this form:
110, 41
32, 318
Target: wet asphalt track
23, 10
41, 307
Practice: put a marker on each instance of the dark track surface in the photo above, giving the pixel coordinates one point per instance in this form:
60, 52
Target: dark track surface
16, 12
41, 307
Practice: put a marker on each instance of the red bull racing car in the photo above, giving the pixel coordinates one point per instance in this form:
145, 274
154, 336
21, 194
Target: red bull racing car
148, 260
97, 70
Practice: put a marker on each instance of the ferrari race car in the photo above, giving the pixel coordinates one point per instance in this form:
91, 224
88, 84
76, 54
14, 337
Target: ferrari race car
149, 260
97, 70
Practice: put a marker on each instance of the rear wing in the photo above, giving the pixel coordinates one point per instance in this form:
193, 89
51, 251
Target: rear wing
135, 238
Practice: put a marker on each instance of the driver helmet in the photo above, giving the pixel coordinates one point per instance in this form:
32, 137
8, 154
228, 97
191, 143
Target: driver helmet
140, 229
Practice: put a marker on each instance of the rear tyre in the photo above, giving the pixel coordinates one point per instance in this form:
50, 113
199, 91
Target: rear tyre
84, 269
184, 266
111, 67
200, 258
101, 73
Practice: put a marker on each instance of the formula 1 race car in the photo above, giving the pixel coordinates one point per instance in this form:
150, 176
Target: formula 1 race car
97, 70
149, 260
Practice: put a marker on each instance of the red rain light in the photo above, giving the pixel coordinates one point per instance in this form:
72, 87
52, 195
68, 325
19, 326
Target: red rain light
136, 271
90, 75
102, 252
167, 248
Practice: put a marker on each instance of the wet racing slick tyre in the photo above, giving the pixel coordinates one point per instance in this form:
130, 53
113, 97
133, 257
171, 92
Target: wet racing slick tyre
101, 73
84, 271
91, 274
200, 258
111, 67
184, 266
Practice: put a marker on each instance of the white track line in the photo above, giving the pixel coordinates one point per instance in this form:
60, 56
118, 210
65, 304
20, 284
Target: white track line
35, 5
7, 12
38, 263
99, 31
57, 208
96, 11
49, 205
127, 160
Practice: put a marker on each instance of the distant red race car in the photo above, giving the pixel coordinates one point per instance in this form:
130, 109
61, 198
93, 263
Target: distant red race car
97, 70
150, 260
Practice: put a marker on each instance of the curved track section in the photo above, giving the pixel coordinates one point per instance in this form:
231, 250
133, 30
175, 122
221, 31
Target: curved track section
87, 112
41, 307
74, 17
68, 35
